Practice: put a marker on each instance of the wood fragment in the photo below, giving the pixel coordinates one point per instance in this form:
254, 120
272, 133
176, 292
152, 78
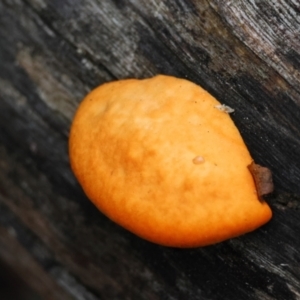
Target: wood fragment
263, 179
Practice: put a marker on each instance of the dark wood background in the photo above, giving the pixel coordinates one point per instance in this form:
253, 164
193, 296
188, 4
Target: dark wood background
246, 53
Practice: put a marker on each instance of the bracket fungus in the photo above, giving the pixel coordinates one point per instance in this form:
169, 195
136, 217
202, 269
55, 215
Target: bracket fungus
157, 158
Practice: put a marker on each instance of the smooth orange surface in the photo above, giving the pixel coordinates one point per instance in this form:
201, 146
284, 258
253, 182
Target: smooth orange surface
158, 158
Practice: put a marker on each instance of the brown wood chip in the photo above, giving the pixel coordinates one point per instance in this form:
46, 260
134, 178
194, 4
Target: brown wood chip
263, 179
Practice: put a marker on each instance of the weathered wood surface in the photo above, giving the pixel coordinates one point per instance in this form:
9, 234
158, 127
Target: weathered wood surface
246, 53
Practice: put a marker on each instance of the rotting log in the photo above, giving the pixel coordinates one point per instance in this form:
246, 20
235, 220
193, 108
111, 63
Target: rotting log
247, 54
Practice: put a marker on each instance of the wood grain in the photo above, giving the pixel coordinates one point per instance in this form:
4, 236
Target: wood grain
53, 52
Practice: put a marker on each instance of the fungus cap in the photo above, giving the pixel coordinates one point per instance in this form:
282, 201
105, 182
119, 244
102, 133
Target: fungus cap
157, 157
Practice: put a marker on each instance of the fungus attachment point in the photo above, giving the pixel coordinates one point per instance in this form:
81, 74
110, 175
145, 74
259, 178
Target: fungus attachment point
123, 168
198, 160
263, 179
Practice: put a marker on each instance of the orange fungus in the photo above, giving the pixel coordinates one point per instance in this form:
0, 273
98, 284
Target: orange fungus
159, 158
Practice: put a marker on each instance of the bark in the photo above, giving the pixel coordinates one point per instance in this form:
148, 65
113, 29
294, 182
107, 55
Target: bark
246, 53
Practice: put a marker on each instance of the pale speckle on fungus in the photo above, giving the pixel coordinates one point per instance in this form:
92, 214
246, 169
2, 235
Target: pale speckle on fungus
198, 160
225, 108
